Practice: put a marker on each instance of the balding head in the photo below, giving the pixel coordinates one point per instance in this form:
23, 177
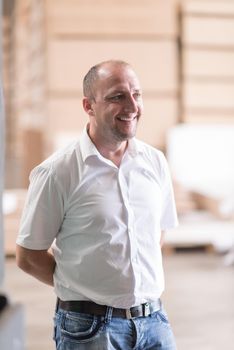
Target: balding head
95, 73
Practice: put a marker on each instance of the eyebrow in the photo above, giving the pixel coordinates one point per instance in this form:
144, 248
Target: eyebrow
122, 91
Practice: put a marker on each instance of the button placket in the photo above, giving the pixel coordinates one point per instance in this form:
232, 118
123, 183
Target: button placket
124, 188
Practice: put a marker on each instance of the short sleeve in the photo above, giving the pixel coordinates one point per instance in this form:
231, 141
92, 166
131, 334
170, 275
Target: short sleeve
43, 211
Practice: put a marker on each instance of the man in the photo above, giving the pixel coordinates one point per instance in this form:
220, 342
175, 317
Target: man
102, 204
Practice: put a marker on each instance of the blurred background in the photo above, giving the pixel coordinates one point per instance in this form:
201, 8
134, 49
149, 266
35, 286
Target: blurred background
183, 53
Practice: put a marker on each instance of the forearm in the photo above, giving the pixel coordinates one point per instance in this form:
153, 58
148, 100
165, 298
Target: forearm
38, 263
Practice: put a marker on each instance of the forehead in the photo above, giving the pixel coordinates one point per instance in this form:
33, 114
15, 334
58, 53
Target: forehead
117, 78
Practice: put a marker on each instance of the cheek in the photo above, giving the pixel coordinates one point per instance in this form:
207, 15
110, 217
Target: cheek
141, 108
113, 111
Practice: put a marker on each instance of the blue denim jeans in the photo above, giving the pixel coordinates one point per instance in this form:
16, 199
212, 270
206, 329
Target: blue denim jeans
79, 331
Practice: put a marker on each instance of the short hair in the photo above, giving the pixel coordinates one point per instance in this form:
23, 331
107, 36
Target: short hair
93, 75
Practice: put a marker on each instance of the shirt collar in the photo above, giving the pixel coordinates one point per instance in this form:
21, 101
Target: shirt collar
88, 149
134, 147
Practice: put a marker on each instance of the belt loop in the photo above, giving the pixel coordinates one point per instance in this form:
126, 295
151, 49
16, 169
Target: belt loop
108, 314
57, 305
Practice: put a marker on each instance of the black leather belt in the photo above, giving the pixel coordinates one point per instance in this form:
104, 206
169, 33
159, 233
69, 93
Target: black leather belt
88, 307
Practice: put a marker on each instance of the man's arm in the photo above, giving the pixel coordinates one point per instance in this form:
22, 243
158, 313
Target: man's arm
162, 238
38, 263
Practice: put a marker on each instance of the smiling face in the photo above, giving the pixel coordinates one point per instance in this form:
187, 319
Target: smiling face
116, 106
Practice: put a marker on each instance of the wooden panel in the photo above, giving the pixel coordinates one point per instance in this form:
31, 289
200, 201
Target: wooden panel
205, 117
66, 116
208, 31
66, 119
209, 95
159, 116
111, 17
12, 219
154, 61
208, 63
208, 56
32, 152
218, 8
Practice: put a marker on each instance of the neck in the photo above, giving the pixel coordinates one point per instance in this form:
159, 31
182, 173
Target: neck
112, 151
115, 154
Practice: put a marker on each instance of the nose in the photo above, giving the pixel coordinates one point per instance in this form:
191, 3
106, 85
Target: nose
131, 105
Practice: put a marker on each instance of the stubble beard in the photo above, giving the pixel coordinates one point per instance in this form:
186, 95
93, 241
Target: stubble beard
124, 136
120, 136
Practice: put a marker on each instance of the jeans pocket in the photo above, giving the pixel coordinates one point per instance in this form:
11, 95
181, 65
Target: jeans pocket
162, 317
80, 328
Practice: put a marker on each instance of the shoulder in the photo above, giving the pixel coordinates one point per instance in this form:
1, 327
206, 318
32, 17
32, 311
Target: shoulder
152, 154
157, 162
60, 166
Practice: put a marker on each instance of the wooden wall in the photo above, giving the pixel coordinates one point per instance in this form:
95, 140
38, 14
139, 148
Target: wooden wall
7, 70
54, 43
81, 34
28, 110
208, 61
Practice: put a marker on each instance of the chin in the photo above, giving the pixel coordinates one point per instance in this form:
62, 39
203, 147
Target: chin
122, 136
127, 136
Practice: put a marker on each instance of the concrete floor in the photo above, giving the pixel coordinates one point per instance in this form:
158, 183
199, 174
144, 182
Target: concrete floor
200, 301
199, 298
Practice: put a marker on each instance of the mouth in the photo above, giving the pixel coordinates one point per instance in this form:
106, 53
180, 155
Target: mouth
125, 119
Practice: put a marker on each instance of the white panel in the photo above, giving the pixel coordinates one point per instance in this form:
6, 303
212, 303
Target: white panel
2, 171
12, 328
201, 158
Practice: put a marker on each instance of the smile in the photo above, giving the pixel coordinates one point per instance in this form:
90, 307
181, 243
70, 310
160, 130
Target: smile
126, 119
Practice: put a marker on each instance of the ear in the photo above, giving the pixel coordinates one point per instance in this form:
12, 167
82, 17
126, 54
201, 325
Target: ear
87, 105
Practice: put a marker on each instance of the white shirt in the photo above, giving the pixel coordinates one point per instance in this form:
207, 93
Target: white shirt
105, 222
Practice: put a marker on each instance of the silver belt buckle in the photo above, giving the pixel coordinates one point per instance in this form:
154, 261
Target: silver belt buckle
146, 310
128, 314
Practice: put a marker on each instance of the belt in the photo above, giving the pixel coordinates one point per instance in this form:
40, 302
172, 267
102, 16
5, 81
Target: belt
89, 307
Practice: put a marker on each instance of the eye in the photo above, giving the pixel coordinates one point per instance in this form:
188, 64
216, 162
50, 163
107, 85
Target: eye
116, 97
137, 95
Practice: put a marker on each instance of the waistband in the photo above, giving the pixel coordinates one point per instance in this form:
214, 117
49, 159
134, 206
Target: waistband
89, 307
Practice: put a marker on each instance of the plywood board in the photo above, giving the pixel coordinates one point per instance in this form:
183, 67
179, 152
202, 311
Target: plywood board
159, 116
66, 116
208, 31
154, 61
205, 63
208, 95
218, 8
205, 117
111, 17
32, 152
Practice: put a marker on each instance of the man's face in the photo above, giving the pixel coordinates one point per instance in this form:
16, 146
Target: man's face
117, 104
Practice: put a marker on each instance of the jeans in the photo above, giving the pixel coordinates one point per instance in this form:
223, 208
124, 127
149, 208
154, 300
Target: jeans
79, 331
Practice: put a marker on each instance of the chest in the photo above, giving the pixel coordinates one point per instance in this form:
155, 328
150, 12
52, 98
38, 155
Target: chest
113, 191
